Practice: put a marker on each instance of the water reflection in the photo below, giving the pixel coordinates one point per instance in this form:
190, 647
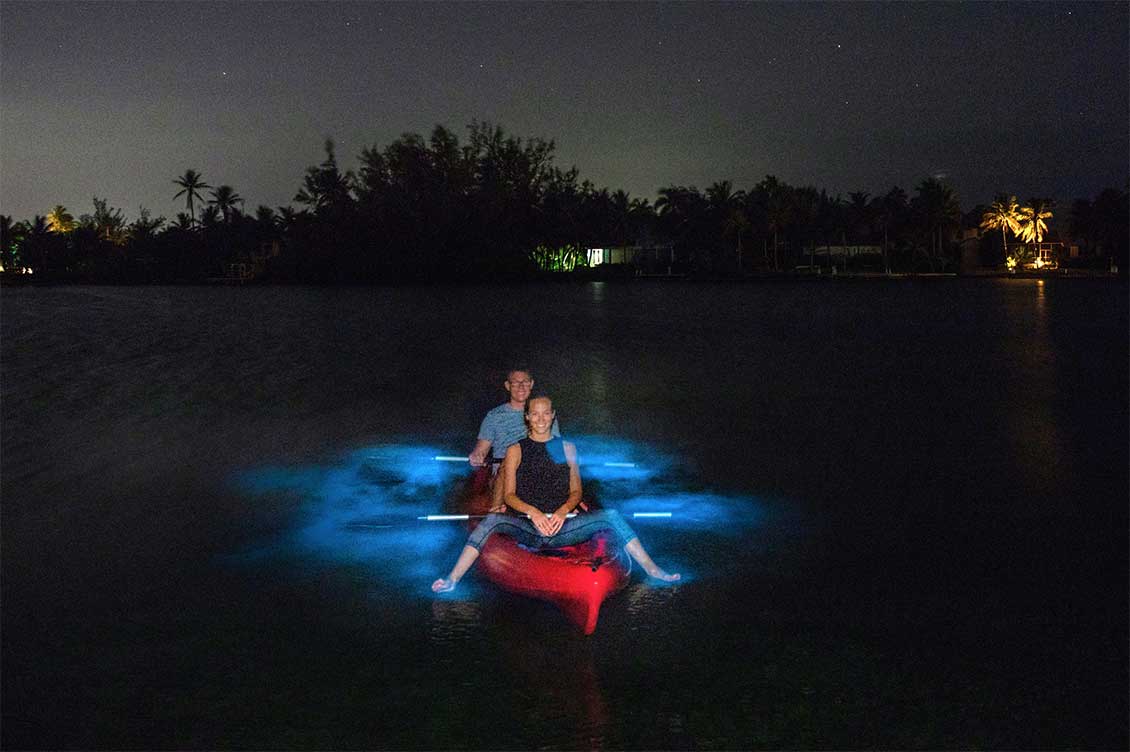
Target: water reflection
597, 289
1033, 429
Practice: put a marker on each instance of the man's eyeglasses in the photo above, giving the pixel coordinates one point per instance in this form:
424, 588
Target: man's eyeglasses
525, 382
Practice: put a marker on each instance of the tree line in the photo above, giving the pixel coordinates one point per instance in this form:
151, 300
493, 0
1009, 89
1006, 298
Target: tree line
496, 206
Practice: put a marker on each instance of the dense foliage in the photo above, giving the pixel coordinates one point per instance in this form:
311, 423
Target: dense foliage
497, 206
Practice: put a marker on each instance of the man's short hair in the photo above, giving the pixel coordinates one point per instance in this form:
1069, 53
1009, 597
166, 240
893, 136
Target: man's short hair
521, 368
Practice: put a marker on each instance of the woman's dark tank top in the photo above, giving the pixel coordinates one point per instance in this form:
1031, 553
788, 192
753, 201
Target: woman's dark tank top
542, 480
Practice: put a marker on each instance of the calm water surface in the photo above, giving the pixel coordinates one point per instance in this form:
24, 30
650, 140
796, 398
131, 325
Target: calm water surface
901, 508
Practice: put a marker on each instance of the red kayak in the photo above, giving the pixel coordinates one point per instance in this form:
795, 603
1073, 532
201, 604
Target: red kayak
576, 579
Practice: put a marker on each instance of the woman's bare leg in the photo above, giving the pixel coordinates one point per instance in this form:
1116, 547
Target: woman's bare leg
466, 559
644, 560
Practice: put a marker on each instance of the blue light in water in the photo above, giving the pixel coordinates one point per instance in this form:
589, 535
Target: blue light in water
602, 458
363, 507
724, 515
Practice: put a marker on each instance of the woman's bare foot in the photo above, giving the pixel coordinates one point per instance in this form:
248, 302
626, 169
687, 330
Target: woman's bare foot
659, 574
444, 586
641, 556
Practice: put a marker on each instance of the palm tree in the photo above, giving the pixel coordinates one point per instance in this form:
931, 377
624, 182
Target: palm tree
889, 210
620, 209
1082, 223
860, 216
1031, 220
1003, 214
37, 250
938, 209
326, 186
224, 198
725, 206
265, 217
1032, 226
191, 184
773, 202
210, 216
59, 220
680, 210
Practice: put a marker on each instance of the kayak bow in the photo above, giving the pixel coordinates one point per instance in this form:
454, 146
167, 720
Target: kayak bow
576, 579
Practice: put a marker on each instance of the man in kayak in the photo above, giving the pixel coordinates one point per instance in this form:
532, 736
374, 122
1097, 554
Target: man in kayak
543, 485
504, 425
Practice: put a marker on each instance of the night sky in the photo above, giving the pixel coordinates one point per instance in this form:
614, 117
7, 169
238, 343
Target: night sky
118, 99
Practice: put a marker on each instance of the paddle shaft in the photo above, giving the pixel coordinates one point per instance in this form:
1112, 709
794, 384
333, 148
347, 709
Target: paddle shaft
454, 458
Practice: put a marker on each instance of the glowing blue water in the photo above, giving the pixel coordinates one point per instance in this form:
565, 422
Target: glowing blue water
364, 507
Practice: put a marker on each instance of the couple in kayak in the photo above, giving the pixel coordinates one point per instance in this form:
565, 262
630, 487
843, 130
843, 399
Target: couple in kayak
539, 483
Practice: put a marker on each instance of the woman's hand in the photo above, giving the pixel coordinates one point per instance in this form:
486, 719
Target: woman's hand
557, 519
544, 523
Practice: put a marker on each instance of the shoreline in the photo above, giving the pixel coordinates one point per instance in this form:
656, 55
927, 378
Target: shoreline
8, 279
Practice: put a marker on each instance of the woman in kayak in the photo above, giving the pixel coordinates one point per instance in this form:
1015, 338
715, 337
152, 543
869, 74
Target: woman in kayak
543, 485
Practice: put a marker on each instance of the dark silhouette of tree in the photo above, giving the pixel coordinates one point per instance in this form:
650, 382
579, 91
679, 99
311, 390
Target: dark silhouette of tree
266, 224
860, 217
725, 207
210, 217
510, 178
890, 213
681, 214
326, 187
145, 227
1111, 220
43, 251
1081, 224
620, 218
806, 215
495, 205
10, 236
225, 199
108, 223
775, 200
938, 212
191, 184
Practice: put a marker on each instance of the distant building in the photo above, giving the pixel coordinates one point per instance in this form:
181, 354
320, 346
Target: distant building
840, 256
653, 259
847, 251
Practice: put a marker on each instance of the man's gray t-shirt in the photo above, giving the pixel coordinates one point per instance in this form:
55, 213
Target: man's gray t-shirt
504, 426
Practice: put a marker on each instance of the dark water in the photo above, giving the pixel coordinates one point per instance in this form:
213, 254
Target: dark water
901, 510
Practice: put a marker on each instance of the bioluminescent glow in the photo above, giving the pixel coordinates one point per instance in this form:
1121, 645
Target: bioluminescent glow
604, 458
723, 515
456, 517
379, 506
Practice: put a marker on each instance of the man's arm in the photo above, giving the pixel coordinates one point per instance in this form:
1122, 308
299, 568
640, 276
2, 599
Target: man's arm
479, 453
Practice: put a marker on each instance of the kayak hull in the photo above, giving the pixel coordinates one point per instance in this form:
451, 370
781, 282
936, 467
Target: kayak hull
576, 579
